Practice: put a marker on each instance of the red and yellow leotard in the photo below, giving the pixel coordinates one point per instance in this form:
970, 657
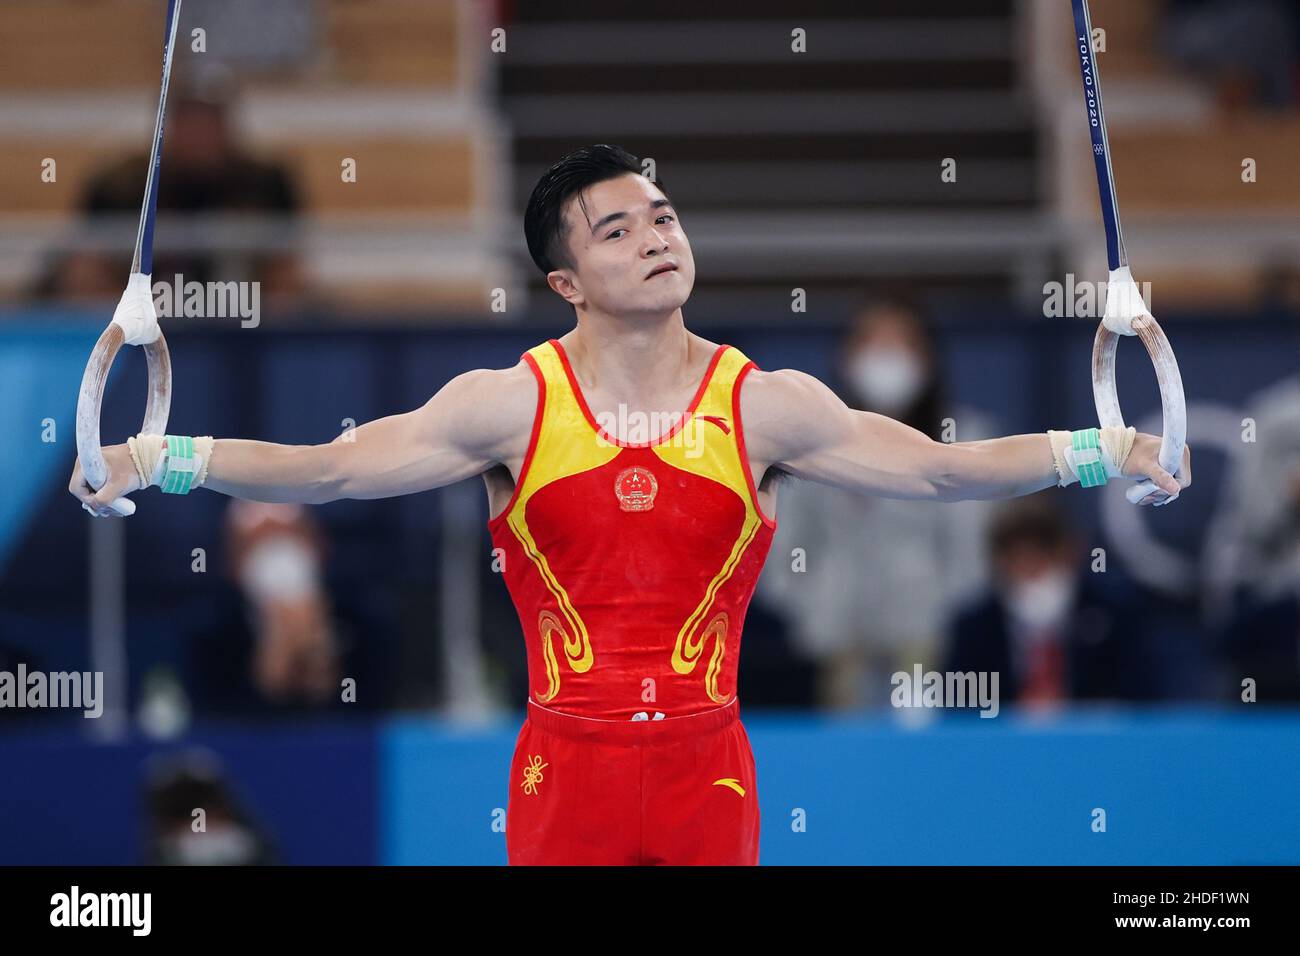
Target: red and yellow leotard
631, 565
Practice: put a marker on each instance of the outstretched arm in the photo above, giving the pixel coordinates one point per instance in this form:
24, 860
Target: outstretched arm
471, 424
795, 422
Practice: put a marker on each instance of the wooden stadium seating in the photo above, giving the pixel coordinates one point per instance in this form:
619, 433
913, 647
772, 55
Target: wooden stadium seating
393, 175
393, 42
101, 45
107, 51
1199, 169
410, 299
1132, 37
21, 187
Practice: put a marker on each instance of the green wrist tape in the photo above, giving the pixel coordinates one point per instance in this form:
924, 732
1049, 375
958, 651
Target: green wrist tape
1086, 444
181, 467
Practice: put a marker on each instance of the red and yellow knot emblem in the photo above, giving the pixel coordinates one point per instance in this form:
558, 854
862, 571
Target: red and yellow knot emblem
533, 774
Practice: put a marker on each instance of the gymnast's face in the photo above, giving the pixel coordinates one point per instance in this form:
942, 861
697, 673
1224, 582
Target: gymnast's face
627, 230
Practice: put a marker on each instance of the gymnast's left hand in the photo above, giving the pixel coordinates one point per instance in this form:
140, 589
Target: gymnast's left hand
1143, 461
122, 479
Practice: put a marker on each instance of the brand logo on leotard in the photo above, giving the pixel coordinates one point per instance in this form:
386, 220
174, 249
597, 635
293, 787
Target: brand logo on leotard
635, 489
731, 782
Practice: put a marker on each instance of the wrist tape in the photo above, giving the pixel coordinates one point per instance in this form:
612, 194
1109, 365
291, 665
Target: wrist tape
175, 463
1090, 456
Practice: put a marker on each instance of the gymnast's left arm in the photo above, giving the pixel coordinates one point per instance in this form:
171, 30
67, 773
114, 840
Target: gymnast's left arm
794, 422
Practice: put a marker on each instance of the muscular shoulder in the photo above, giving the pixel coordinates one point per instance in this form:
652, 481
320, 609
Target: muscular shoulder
787, 413
489, 411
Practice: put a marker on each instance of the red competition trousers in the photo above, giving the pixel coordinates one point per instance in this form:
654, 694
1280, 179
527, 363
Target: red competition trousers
674, 791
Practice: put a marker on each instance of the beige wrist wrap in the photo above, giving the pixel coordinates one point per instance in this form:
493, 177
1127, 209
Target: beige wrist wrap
148, 454
1116, 444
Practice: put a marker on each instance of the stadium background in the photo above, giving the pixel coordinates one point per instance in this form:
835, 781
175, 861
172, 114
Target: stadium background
818, 171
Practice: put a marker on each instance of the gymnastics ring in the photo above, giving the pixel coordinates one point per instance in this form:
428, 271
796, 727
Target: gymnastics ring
91, 400
135, 320
1172, 400
1126, 313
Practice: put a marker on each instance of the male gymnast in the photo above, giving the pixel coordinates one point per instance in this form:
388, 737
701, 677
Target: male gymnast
630, 549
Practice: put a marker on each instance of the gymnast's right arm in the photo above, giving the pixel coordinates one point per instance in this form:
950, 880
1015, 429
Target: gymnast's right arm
474, 422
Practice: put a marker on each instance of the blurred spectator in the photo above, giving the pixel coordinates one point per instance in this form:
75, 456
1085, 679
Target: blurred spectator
1262, 520
203, 171
1247, 48
276, 555
882, 576
224, 834
1048, 627
281, 641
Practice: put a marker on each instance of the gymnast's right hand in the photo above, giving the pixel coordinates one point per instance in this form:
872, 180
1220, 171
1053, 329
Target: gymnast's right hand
122, 480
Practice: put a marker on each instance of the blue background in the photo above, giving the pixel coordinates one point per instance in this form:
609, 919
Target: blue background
1178, 787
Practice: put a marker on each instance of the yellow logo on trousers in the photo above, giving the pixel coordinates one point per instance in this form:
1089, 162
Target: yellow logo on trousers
731, 782
533, 774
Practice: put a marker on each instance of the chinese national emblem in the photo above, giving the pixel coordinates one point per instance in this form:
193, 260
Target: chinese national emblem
636, 489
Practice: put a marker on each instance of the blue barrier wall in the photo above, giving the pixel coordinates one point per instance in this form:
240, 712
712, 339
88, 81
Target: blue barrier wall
1178, 787
68, 801
444, 793
1187, 788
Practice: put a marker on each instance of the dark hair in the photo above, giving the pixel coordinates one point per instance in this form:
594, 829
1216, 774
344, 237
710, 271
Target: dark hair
1033, 520
543, 219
